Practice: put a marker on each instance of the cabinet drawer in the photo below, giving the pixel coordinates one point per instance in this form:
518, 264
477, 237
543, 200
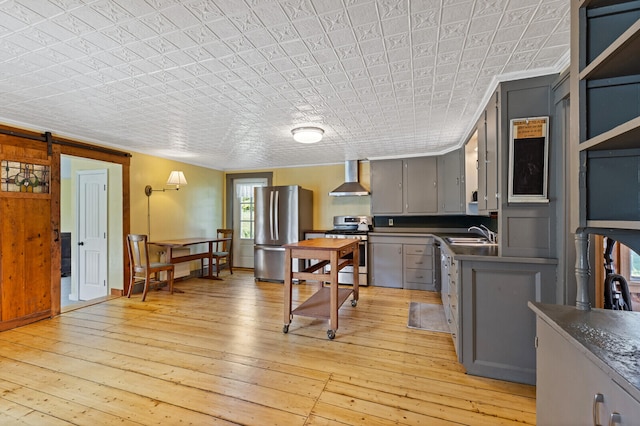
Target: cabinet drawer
418, 249
418, 276
418, 262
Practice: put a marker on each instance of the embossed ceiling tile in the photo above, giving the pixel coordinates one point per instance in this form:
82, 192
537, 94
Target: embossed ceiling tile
223, 28
453, 30
388, 9
29, 12
511, 34
538, 29
558, 39
334, 21
310, 28
489, 7
231, 7
79, 21
550, 53
451, 46
395, 26
328, 61
399, 55
204, 10
423, 19
372, 47
552, 11
298, 49
343, 40
425, 35
363, 14
518, 17
459, 12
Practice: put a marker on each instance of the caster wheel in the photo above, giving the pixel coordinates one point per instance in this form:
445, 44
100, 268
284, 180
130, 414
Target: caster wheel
354, 303
285, 328
331, 334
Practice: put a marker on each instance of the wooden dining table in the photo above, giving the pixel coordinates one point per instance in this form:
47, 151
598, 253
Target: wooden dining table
325, 303
169, 245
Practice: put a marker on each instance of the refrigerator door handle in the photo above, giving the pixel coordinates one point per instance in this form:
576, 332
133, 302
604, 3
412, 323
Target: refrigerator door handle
271, 214
273, 248
277, 216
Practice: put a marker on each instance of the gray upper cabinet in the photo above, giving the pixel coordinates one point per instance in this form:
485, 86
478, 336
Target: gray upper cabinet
408, 186
421, 185
387, 186
488, 166
451, 185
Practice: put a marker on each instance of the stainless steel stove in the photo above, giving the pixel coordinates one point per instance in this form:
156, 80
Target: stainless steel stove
356, 227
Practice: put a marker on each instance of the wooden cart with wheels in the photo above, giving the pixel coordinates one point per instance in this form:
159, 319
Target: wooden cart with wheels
326, 302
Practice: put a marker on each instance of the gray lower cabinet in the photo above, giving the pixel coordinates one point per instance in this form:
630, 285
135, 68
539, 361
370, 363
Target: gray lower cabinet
498, 329
402, 262
418, 266
569, 383
386, 264
449, 290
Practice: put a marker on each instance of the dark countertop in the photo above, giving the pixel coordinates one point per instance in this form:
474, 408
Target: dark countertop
610, 339
488, 253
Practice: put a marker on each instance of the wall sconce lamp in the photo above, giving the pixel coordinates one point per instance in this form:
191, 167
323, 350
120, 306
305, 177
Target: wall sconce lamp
175, 178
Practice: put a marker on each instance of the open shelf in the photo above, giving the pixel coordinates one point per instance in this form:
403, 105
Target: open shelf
624, 136
614, 224
319, 305
619, 59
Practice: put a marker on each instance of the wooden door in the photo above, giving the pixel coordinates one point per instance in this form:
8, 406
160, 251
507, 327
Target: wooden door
26, 232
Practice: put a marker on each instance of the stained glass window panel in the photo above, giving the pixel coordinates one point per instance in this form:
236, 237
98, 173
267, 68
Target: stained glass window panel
24, 177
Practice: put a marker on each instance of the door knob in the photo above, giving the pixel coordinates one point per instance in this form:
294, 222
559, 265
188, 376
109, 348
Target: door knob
81, 243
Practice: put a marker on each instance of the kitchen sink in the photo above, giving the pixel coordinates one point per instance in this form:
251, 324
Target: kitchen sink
470, 241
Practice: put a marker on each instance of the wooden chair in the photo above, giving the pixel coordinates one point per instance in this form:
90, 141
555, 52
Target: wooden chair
223, 255
141, 267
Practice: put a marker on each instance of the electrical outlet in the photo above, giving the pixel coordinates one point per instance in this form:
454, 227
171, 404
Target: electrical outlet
390, 222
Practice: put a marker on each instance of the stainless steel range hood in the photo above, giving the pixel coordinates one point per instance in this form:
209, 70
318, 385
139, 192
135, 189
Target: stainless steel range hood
351, 187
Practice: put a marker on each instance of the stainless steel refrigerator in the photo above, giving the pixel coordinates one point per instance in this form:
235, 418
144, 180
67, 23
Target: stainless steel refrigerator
283, 214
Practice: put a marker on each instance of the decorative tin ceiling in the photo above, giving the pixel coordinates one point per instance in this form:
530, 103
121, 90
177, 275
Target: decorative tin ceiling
221, 83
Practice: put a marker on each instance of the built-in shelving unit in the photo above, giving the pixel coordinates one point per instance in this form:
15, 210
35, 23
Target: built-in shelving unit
608, 98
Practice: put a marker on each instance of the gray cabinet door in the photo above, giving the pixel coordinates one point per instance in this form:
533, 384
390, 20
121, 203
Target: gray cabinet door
491, 152
386, 187
421, 185
498, 329
386, 266
488, 167
451, 182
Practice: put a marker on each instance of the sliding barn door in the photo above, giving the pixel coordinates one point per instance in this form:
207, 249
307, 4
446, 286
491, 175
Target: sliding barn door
26, 237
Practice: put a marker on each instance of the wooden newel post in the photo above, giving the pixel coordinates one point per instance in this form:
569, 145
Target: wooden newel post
583, 270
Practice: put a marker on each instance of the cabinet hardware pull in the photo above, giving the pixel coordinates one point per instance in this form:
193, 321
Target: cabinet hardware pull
597, 400
615, 419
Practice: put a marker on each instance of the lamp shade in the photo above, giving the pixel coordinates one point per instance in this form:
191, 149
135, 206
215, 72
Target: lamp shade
176, 178
307, 134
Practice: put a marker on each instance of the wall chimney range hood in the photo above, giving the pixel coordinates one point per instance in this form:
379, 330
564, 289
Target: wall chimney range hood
351, 187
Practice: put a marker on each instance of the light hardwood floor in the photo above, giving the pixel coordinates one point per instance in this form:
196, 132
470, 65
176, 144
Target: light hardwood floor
216, 354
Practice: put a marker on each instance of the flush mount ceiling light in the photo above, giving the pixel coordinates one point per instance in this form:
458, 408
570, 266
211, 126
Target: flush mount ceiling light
307, 134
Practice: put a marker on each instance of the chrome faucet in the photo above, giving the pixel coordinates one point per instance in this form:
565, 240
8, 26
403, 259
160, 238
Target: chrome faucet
486, 232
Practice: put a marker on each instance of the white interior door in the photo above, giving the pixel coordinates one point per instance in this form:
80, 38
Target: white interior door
92, 234
244, 220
